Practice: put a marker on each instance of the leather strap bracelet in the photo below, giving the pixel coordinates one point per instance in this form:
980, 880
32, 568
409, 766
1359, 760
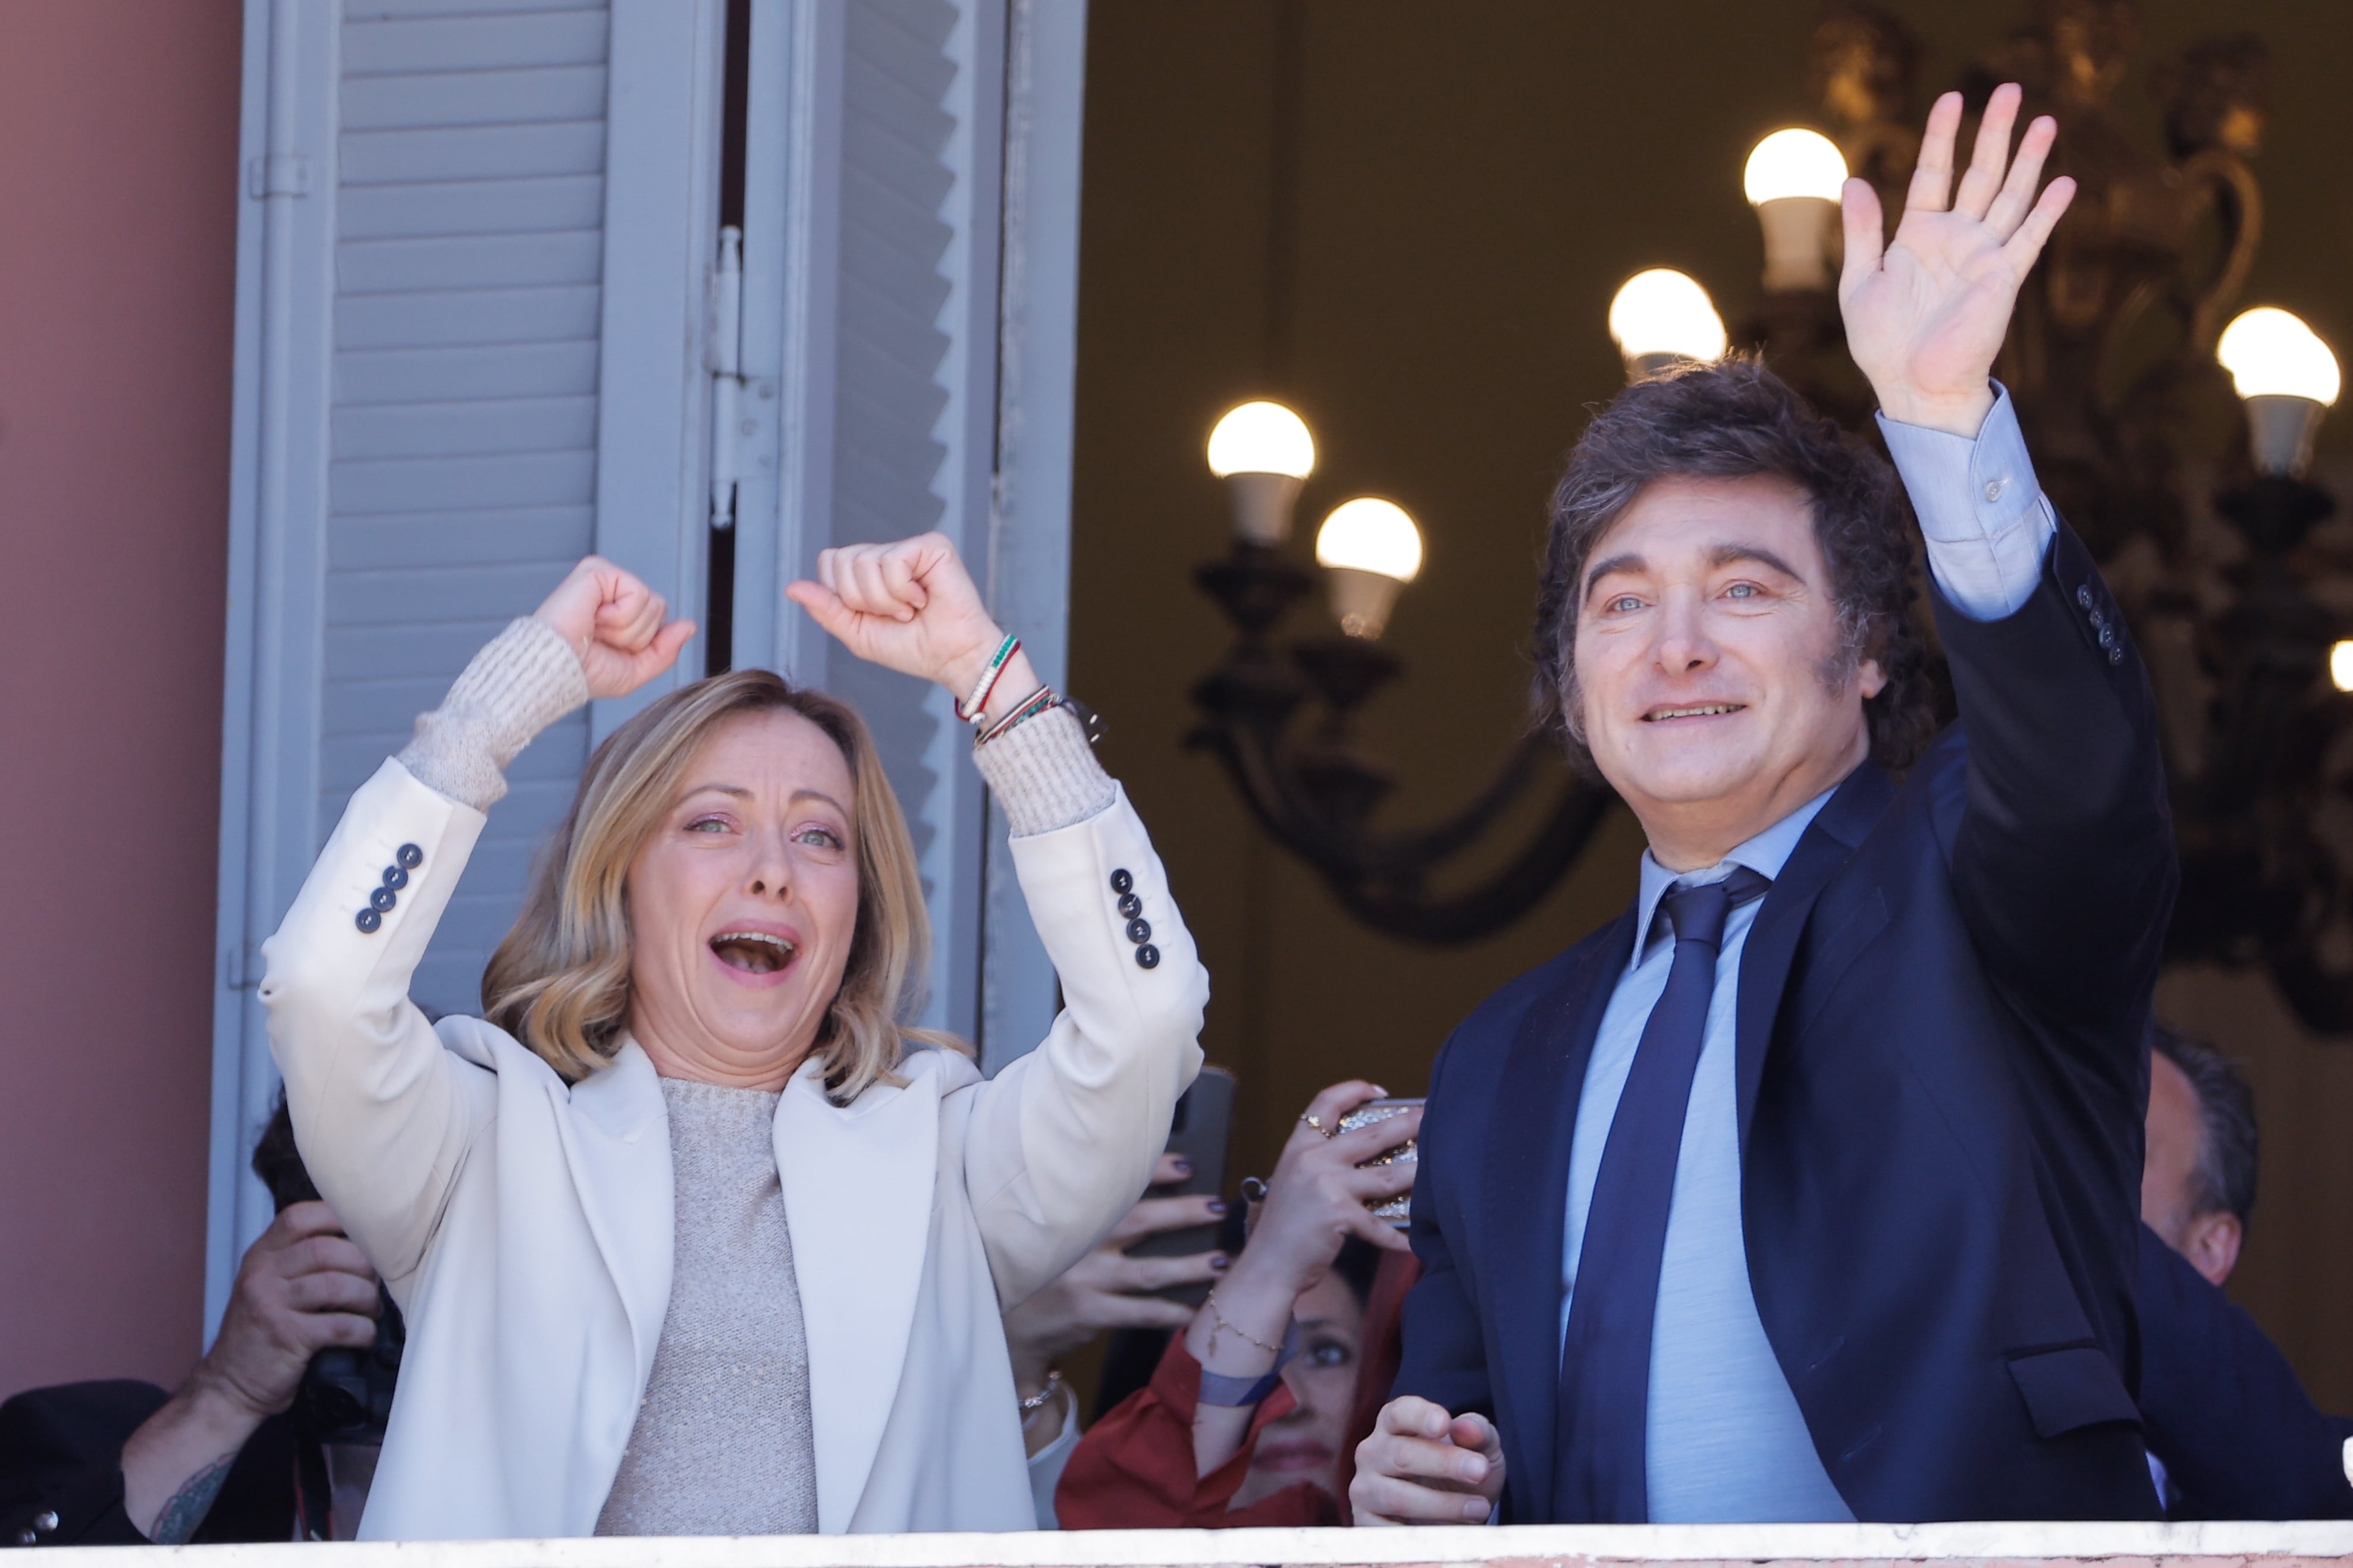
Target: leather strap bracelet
1230, 1390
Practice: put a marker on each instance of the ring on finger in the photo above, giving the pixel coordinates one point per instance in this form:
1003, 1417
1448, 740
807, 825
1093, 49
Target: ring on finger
1311, 1120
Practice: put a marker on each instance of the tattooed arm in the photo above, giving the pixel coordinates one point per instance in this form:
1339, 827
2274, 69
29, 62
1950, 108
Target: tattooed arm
302, 1288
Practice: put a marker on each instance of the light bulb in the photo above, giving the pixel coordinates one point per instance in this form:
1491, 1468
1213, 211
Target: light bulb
1794, 163
2272, 353
1261, 438
2340, 667
1662, 316
1368, 534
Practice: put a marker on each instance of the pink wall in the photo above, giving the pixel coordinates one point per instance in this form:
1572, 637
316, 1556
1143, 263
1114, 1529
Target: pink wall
118, 233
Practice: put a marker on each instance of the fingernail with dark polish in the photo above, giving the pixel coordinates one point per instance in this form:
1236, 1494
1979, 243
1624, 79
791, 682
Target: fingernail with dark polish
1219, 1260
1183, 1167
1217, 1205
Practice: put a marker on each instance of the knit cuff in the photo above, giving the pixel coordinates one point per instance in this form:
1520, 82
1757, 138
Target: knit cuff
524, 679
1044, 774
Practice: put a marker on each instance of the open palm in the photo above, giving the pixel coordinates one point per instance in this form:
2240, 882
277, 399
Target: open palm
1927, 314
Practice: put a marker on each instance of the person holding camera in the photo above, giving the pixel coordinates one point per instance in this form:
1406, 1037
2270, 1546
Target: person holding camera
117, 1463
697, 1231
1252, 1413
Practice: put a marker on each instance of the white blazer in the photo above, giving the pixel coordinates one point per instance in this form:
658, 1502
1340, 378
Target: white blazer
525, 1228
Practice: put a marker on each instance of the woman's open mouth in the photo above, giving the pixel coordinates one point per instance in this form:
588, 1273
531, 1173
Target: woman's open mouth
752, 952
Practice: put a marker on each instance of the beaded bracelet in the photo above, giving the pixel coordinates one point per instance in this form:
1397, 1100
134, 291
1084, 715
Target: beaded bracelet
969, 709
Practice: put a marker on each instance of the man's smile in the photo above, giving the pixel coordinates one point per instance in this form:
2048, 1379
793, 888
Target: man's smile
1692, 710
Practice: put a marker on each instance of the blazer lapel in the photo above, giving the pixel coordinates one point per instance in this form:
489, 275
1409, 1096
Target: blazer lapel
617, 1143
858, 1184
1833, 835
1526, 1198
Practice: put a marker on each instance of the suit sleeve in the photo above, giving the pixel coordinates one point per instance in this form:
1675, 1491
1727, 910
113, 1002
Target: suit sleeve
382, 1113
1442, 1356
2063, 858
1063, 1141
2222, 1408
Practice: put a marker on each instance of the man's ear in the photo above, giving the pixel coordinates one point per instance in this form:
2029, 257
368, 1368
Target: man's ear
2210, 1242
1871, 678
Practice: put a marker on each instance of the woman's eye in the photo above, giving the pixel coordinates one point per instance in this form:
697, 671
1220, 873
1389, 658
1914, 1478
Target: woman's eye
823, 837
1328, 1354
1741, 591
707, 824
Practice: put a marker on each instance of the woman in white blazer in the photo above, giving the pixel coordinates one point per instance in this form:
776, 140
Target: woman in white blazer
694, 1233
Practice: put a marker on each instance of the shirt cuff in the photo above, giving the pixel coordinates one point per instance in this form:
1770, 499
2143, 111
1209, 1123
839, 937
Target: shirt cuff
1044, 774
1982, 512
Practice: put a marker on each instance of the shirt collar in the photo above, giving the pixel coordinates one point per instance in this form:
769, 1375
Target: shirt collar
1764, 854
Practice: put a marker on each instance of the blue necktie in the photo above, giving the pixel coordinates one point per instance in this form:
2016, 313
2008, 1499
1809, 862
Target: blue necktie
1599, 1475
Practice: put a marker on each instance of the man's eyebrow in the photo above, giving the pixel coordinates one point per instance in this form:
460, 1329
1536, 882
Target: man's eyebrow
1625, 563
1731, 554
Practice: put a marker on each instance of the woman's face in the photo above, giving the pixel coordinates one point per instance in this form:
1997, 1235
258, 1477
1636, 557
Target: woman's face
742, 903
1305, 1445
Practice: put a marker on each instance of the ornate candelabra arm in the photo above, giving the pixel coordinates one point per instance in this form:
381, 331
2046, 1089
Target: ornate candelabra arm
1524, 882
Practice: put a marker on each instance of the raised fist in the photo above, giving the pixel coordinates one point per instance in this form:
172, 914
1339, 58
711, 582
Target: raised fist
616, 624
912, 608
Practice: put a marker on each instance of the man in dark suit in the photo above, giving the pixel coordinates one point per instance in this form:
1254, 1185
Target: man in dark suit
1806, 1189
2232, 1434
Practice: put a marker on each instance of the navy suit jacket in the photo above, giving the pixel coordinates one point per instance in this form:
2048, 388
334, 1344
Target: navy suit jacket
2240, 1438
1942, 1069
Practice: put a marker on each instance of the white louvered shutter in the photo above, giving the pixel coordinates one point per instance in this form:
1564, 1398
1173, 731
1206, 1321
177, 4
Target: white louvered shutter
462, 475
428, 374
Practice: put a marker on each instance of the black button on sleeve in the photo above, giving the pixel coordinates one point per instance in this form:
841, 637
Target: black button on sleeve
384, 899
1121, 882
1147, 957
411, 856
394, 877
1130, 906
1139, 929
367, 920
2084, 595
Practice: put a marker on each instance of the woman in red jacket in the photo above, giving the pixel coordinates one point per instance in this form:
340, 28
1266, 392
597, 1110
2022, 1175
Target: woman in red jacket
1256, 1409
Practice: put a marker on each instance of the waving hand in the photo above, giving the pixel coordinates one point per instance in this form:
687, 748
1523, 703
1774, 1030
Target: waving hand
1926, 313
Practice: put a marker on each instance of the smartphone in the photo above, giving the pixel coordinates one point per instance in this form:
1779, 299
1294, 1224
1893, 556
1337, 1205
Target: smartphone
1204, 1119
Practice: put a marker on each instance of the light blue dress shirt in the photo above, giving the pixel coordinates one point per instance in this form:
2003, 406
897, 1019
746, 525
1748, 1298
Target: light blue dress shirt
1726, 1439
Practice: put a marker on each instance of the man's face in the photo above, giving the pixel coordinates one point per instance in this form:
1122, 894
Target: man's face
1707, 662
2168, 1176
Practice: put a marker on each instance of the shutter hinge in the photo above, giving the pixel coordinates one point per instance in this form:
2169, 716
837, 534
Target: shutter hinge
240, 966
743, 409
726, 357
280, 174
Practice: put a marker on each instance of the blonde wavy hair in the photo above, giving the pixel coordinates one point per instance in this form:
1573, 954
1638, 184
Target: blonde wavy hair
560, 982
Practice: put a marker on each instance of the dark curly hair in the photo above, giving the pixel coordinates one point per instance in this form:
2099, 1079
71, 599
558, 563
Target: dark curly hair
1725, 421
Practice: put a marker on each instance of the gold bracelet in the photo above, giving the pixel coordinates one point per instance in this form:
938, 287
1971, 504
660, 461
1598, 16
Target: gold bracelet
1218, 1321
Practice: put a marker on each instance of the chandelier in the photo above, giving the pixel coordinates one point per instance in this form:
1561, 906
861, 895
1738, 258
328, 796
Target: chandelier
2118, 362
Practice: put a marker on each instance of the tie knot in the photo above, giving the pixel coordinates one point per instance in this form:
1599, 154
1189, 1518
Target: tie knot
1698, 912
